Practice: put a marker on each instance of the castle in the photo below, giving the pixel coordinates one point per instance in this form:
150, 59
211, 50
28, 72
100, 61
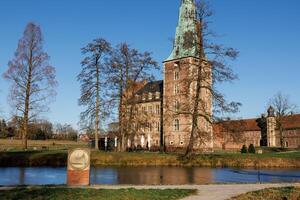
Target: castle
161, 108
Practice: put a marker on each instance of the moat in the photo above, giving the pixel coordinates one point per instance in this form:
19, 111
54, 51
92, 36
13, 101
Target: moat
148, 176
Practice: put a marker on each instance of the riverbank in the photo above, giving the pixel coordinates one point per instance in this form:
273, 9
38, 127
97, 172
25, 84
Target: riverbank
58, 158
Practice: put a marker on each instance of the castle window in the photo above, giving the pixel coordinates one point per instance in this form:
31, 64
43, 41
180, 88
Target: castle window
157, 109
176, 89
181, 143
144, 110
176, 125
171, 143
176, 106
150, 110
150, 127
176, 75
157, 126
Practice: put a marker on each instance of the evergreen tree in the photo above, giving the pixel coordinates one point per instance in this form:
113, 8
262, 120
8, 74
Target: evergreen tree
244, 149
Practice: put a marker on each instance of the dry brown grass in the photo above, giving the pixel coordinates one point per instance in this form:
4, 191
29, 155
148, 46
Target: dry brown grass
209, 160
10, 145
286, 193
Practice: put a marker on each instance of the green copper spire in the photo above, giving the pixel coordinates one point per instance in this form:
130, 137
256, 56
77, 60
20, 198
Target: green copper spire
185, 44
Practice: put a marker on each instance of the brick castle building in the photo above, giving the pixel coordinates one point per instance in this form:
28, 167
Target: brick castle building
160, 108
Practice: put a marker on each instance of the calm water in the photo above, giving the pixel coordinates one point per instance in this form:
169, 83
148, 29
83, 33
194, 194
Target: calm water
148, 175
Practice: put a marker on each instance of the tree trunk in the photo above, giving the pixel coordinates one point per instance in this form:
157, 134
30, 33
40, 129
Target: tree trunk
97, 122
281, 137
120, 109
27, 99
190, 146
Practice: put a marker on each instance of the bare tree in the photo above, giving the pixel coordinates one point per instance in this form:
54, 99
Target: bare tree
127, 67
92, 79
209, 69
32, 78
282, 107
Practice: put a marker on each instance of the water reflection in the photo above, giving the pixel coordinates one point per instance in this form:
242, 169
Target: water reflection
151, 175
148, 176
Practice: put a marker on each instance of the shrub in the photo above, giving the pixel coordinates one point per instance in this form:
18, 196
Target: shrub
251, 148
244, 149
139, 148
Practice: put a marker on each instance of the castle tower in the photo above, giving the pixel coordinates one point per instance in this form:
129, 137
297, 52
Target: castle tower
271, 127
180, 85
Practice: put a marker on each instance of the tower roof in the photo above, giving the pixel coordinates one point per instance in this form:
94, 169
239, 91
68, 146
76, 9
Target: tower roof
186, 38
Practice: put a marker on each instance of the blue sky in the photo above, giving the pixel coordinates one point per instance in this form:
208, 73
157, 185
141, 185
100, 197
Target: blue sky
266, 32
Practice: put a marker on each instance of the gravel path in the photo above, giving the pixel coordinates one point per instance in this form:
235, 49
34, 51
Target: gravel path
207, 192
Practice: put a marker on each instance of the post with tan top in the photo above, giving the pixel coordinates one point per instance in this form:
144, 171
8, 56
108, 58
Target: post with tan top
78, 167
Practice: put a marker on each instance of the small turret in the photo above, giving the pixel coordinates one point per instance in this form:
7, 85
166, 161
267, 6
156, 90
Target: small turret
271, 127
271, 112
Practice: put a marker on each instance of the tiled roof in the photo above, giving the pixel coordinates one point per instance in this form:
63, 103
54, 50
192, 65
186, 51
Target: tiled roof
243, 125
151, 87
291, 121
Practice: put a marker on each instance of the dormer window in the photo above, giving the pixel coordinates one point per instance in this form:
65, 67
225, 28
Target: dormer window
157, 95
144, 97
150, 95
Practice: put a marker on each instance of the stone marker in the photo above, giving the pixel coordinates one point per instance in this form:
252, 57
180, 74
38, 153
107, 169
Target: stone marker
78, 167
260, 151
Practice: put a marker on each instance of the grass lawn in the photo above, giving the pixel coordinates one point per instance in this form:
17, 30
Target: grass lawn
16, 145
287, 193
92, 194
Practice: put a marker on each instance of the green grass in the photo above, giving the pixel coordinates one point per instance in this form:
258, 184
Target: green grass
287, 193
53, 158
92, 194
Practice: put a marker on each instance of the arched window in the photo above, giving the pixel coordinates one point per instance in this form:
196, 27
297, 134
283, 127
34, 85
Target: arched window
176, 75
176, 125
176, 106
176, 89
157, 109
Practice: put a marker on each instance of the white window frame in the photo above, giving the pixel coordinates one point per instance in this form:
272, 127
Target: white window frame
176, 75
176, 125
176, 89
